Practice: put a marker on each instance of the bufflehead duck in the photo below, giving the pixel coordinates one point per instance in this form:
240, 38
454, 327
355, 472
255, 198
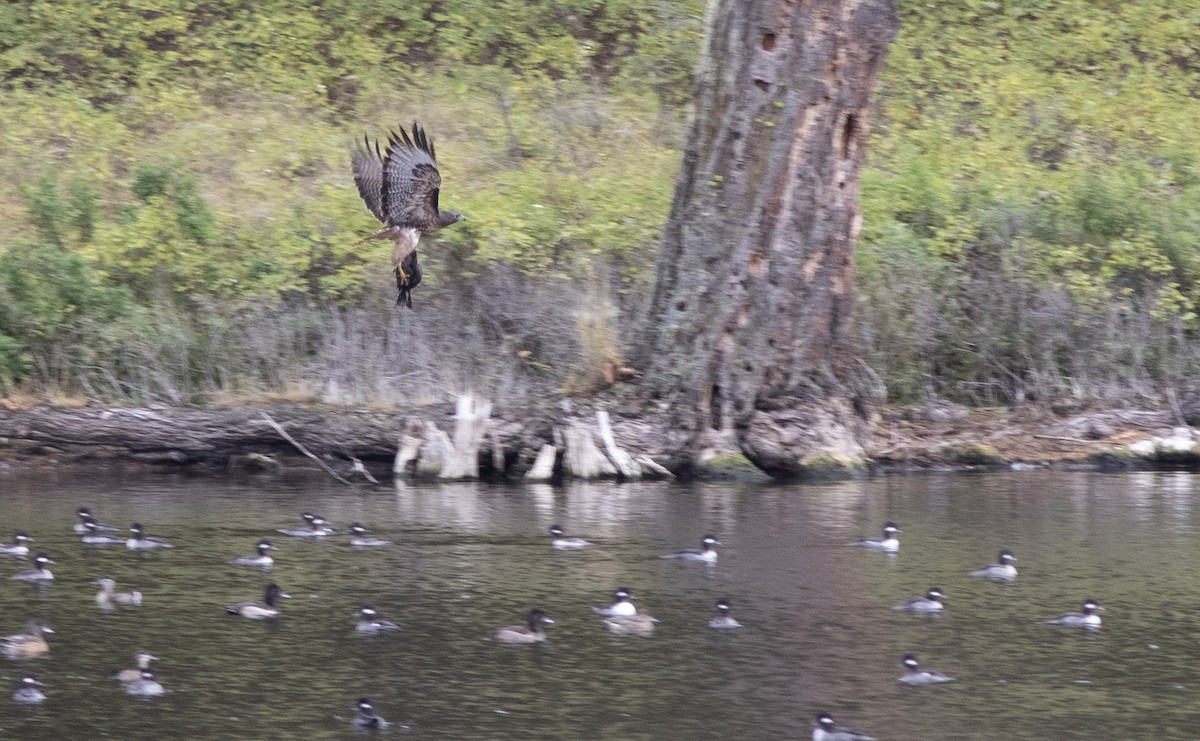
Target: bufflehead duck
369, 622
560, 541
28, 644
84, 516
39, 572
145, 686
889, 543
18, 547
630, 625
914, 674
825, 730
28, 693
261, 559
931, 602
367, 719
94, 536
721, 618
260, 610
622, 607
705, 554
532, 632
1003, 570
107, 596
139, 542
1086, 619
317, 527
142, 659
360, 540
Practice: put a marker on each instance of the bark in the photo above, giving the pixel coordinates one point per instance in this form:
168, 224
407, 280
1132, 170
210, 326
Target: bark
748, 324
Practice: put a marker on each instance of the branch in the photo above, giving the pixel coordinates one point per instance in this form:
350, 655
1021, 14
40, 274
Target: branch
283, 433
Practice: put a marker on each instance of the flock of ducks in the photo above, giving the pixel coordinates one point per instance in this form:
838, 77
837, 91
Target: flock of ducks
621, 617
932, 603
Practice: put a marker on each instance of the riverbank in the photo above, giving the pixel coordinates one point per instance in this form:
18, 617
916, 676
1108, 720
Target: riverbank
938, 435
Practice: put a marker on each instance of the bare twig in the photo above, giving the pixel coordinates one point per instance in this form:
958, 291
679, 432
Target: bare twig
1077, 440
283, 433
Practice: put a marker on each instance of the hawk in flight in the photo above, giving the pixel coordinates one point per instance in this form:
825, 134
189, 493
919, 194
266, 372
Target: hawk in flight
399, 184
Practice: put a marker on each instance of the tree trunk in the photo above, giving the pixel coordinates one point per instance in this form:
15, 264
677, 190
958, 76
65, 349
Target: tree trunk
748, 323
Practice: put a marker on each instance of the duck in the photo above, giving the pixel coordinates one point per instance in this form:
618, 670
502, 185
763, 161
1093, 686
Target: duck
623, 605
84, 515
705, 554
367, 719
722, 619
107, 596
533, 632
262, 558
19, 545
317, 527
145, 686
94, 536
559, 540
1086, 619
39, 572
369, 622
138, 540
630, 625
28, 693
931, 601
914, 674
359, 539
142, 660
889, 543
29, 644
1002, 570
825, 730
260, 610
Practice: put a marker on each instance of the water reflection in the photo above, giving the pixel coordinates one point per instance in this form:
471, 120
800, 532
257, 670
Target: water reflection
819, 629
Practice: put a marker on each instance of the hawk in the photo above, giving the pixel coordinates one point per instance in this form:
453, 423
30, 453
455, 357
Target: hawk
399, 185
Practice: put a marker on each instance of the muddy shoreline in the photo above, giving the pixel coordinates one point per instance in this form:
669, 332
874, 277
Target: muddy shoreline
229, 439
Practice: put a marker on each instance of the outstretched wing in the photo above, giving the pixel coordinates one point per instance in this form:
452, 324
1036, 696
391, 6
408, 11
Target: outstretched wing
409, 193
367, 164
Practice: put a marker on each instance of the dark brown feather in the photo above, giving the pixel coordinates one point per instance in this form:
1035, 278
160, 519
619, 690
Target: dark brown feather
410, 182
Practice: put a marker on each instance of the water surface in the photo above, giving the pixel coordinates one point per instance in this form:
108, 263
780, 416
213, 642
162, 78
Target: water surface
466, 558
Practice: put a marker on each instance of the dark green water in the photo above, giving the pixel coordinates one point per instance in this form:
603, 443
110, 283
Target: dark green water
819, 632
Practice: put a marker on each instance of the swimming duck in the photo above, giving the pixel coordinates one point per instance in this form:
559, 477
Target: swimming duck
930, 602
260, 610
107, 596
138, 541
705, 554
28, 693
84, 516
630, 625
18, 547
1003, 570
39, 572
261, 559
142, 659
367, 719
825, 730
145, 686
317, 527
559, 540
29, 644
369, 622
1086, 619
914, 674
94, 536
532, 632
361, 541
889, 543
623, 605
721, 619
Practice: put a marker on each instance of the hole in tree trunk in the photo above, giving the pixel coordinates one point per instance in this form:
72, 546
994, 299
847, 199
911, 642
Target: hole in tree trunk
714, 408
681, 306
768, 42
762, 84
848, 133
